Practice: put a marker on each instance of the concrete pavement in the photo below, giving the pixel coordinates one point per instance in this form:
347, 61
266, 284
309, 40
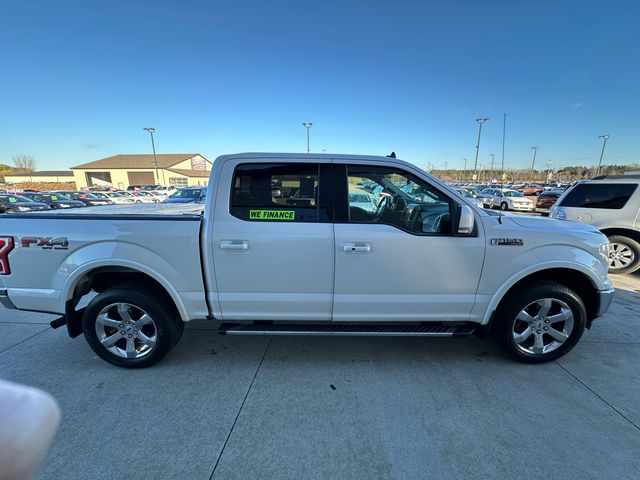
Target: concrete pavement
234, 407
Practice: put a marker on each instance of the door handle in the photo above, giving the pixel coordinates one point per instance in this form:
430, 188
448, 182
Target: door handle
234, 245
356, 247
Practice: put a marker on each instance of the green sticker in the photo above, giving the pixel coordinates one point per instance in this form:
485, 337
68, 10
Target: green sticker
54, 197
272, 215
13, 199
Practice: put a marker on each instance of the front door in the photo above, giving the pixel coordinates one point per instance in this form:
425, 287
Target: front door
273, 242
398, 259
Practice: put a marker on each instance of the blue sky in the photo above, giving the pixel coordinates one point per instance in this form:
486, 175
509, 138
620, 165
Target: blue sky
80, 80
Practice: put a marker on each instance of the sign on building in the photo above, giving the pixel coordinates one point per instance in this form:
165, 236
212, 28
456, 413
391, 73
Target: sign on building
198, 164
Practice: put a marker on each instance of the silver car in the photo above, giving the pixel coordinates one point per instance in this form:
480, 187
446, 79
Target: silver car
612, 205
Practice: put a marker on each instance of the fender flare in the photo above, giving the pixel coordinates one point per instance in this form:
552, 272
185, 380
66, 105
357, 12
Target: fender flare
74, 277
540, 267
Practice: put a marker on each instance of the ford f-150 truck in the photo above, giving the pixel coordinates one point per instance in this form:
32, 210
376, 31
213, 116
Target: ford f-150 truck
278, 249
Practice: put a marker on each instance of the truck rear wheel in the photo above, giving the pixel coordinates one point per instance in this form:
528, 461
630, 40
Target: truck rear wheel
540, 323
131, 327
624, 256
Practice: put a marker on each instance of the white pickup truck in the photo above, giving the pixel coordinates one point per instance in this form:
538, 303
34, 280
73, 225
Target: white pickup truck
277, 249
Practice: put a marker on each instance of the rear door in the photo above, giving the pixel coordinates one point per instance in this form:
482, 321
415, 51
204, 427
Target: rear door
273, 241
401, 262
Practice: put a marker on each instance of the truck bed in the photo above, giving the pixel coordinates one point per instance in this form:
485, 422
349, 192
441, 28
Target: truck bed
54, 250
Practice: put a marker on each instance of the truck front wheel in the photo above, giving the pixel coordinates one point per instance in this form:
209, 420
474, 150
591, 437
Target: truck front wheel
540, 323
129, 327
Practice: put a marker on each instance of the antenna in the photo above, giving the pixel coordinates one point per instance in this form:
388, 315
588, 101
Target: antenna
504, 131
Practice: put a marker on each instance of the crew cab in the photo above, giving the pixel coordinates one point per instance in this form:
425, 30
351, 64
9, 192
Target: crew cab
280, 247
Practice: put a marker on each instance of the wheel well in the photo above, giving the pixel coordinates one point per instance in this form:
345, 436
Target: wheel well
100, 279
573, 279
624, 232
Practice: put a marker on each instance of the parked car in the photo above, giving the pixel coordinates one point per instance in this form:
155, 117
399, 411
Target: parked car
115, 197
259, 265
510, 200
139, 197
487, 200
362, 200
89, 199
187, 195
546, 199
612, 205
468, 193
530, 190
16, 203
54, 200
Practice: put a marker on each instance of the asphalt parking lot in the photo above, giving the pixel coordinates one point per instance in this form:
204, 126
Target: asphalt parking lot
365, 408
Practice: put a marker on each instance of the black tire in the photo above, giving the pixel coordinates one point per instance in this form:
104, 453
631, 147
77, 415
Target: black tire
9, 210
504, 206
167, 326
506, 320
631, 245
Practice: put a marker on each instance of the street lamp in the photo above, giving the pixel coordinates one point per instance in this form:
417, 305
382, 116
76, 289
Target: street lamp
475, 165
604, 144
465, 169
535, 151
153, 147
307, 125
493, 156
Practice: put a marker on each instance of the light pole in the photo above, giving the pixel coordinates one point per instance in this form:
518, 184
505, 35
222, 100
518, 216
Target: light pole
535, 151
307, 125
153, 147
465, 169
475, 165
493, 155
604, 144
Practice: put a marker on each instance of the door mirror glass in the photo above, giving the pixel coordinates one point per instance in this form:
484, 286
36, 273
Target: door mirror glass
467, 220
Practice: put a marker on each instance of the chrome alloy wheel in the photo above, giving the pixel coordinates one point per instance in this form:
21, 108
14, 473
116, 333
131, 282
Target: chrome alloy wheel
620, 255
126, 330
542, 326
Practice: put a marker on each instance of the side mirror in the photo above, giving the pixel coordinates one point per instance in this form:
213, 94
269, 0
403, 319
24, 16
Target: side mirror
466, 221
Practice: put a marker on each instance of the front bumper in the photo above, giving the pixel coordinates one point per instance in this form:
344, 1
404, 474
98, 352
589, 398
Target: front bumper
523, 208
604, 301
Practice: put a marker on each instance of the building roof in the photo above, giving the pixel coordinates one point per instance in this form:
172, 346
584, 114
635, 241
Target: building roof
144, 160
191, 173
43, 173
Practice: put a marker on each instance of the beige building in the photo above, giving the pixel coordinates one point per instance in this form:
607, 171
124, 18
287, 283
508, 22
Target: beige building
48, 176
121, 171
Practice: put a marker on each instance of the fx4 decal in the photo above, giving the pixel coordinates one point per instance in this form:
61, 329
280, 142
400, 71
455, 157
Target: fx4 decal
46, 243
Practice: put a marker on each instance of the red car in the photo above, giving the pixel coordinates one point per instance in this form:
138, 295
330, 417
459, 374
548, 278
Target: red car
547, 198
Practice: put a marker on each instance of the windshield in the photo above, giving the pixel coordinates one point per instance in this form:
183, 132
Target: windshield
115, 194
511, 193
187, 193
14, 199
55, 196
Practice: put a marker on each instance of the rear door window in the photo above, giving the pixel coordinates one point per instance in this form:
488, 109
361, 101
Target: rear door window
282, 192
599, 195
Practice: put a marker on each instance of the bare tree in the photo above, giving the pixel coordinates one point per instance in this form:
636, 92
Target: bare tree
24, 163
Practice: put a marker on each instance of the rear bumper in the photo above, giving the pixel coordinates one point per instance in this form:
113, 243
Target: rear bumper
604, 301
5, 301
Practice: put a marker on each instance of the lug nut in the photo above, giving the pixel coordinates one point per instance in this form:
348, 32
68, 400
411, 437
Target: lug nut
539, 332
129, 335
122, 332
546, 328
121, 325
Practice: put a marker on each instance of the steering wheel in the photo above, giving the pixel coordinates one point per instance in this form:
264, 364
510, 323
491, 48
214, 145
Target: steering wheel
384, 203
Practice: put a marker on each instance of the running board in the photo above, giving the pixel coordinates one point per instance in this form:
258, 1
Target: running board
435, 330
